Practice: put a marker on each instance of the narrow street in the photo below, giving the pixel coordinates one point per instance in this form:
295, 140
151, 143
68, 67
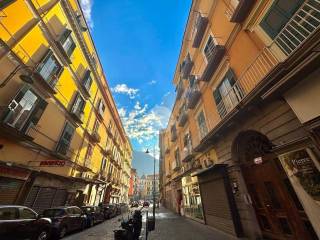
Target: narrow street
169, 226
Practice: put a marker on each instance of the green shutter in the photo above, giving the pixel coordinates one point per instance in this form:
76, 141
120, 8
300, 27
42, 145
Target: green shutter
278, 15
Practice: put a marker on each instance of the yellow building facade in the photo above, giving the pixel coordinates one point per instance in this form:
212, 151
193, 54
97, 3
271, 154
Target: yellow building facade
244, 129
62, 140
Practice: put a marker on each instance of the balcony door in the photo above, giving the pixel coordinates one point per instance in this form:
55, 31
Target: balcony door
25, 108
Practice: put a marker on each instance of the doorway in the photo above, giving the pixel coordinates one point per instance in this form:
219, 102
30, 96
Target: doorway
278, 209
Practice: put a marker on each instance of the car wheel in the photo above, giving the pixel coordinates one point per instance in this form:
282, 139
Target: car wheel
43, 235
62, 232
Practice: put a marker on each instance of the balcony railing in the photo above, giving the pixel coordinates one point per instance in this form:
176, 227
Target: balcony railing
201, 23
238, 10
193, 95
303, 23
183, 116
173, 134
175, 165
95, 137
77, 115
214, 57
179, 90
186, 67
298, 29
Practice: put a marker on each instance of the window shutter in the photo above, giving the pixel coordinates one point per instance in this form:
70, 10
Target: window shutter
278, 15
71, 48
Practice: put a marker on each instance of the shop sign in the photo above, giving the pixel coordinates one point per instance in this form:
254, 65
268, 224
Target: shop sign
52, 163
299, 165
14, 172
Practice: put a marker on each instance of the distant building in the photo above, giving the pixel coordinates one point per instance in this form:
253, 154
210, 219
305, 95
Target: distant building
145, 189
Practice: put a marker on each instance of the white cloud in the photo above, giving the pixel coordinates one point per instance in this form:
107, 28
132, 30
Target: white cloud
152, 82
124, 89
143, 124
86, 6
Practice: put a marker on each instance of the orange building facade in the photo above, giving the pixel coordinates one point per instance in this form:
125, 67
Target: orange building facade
241, 149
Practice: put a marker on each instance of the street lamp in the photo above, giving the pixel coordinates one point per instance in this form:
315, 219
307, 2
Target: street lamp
151, 224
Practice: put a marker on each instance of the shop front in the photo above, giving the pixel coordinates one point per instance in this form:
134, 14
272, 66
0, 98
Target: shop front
12, 181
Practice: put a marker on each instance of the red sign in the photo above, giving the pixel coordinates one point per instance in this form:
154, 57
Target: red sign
52, 163
14, 172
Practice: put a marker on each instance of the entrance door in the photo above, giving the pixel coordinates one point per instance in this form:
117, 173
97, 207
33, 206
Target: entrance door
277, 214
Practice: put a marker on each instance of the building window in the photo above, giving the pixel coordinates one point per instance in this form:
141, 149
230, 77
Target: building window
187, 143
278, 15
78, 105
87, 80
101, 107
49, 69
202, 125
228, 94
24, 110
65, 139
67, 42
103, 164
96, 126
208, 49
88, 155
177, 156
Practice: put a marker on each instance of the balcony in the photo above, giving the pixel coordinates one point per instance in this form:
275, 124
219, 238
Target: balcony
66, 45
175, 165
86, 83
179, 90
187, 153
95, 137
193, 94
199, 29
63, 151
215, 55
186, 67
238, 10
77, 115
183, 116
173, 133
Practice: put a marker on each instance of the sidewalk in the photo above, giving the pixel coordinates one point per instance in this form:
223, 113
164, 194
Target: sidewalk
170, 226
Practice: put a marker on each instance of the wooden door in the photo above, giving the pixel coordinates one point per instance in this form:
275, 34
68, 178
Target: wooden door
277, 214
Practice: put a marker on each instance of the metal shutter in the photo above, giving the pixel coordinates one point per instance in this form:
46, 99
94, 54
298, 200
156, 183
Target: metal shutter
216, 207
60, 198
9, 190
44, 199
32, 195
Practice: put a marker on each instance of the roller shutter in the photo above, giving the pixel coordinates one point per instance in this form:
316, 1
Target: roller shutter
216, 206
60, 198
9, 190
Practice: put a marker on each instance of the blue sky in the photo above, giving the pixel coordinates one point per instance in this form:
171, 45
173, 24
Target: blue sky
138, 42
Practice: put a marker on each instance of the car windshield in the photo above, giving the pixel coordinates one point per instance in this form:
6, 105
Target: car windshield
53, 213
88, 209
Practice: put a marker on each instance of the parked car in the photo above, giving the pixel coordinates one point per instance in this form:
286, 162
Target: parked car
109, 211
94, 215
146, 204
65, 220
19, 222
